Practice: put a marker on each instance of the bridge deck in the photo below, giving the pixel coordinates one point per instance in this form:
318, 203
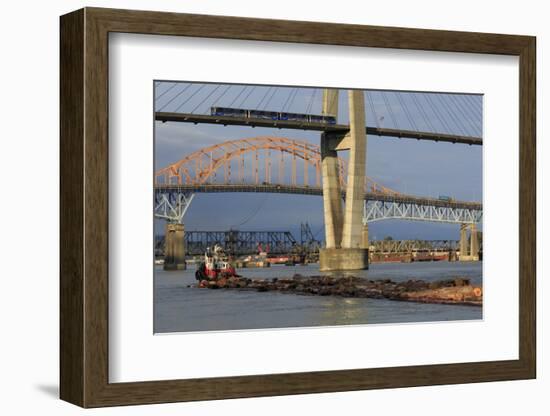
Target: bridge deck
300, 125
308, 190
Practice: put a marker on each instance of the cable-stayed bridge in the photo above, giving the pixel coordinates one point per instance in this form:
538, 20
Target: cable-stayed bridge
351, 199
454, 118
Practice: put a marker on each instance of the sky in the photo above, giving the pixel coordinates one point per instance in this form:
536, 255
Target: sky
422, 168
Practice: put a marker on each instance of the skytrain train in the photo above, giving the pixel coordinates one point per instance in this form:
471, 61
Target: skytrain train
271, 115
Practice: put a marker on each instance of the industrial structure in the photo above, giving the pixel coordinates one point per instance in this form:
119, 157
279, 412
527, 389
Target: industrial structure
284, 243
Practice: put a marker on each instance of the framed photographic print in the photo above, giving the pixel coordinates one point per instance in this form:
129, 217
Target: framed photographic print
256, 207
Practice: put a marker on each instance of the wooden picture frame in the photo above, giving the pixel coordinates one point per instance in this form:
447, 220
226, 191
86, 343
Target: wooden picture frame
84, 207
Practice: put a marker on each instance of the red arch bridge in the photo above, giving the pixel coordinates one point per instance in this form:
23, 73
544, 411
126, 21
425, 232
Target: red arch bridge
282, 165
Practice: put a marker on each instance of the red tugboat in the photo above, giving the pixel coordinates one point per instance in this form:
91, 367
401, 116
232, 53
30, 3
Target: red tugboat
216, 266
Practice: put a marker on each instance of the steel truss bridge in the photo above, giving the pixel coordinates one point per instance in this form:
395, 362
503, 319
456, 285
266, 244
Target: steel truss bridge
246, 242
407, 246
283, 242
240, 242
269, 164
376, 210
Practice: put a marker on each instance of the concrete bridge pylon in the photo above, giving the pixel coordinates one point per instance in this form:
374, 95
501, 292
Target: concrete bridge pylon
474, 243
345, 246
332, 194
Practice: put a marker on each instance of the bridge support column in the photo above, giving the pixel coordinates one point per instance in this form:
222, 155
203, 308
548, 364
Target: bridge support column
332, 195
474, 243
355, 192
365, 236
463, 244
339, 259
350, 255
174, 237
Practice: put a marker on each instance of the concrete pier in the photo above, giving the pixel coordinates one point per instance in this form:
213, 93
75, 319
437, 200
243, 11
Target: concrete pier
332, 195
474, 243
463, 243
469, 247
365, 236
174, 238
345, 249
334, 259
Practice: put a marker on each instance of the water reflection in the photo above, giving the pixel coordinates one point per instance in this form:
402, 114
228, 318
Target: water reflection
179, 308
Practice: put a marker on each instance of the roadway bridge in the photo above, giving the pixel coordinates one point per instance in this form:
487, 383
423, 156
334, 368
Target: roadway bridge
313, 190
346, 223
267, 164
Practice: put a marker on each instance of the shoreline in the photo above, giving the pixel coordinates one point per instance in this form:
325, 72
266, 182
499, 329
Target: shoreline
456, 291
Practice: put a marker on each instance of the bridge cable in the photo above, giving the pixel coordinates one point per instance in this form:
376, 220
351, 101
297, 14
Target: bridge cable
386, 103
190, 97
310, 105
287, 100
422, 112
205, 98
451, 107
469, 123
478, 104
238, 95
442, 106
467, 119
270, 98
175, 96
466, 107
474, 102
263, 98
167, 90
437, 109
292, 99
452, 114
434, 110
475, 119
246, 98
371, 105
474, 114
477, 111
407, 114
217, 100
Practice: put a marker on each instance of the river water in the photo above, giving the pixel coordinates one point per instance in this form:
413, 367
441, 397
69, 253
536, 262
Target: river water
179, 308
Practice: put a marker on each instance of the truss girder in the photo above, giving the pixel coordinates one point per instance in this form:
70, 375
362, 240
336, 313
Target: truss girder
384, 210
172, 206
